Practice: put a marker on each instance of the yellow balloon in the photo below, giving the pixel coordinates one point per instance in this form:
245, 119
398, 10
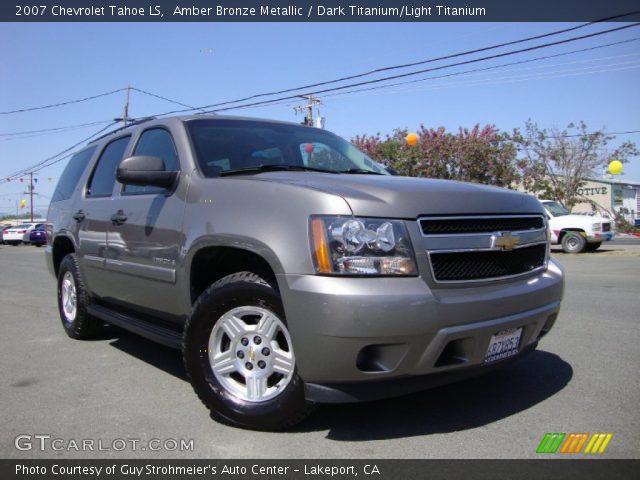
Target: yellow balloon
411, 139
615, 167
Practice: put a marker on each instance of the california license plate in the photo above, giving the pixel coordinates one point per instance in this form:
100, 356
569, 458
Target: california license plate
503, 344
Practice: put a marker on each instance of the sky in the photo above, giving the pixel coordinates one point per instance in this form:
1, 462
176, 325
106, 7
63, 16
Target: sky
205, 63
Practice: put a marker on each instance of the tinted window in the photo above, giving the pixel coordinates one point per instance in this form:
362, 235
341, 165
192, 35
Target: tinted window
155, 143
233, 145
104, 176
71, 175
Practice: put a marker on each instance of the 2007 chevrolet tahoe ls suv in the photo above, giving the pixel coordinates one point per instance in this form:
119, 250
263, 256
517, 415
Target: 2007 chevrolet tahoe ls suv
292, 269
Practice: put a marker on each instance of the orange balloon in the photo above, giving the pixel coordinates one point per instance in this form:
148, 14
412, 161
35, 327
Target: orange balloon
411, 139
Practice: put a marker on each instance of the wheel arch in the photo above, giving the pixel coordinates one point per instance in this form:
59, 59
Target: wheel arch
211, 261
61, 247
564, 231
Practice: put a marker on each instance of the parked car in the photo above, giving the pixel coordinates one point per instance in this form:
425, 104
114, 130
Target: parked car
576, 233
2, 230
16, 235
26, 238
38, 236
290, 268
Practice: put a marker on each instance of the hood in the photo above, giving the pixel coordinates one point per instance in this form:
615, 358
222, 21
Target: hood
406, 197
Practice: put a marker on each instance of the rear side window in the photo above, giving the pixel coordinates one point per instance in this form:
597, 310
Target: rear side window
156, 142
72, 173
104, 175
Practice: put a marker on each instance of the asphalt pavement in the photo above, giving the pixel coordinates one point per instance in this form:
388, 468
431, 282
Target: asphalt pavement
121, 390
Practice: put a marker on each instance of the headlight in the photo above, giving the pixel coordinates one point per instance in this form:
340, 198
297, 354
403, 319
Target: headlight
361, 246
596, 227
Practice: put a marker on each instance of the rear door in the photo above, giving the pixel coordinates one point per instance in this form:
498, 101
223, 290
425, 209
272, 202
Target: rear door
94, 217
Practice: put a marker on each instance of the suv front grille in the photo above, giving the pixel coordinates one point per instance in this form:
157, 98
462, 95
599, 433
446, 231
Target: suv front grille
479, 265
481, 248
446, 226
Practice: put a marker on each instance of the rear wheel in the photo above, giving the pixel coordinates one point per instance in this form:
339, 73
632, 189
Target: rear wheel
239, 356
573, 242
72, 301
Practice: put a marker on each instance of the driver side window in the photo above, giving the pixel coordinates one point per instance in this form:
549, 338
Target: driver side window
156, 142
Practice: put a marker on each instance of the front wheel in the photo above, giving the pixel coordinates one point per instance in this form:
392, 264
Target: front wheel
239, 355
573, 242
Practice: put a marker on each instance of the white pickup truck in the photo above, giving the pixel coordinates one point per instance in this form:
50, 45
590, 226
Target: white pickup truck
576, 233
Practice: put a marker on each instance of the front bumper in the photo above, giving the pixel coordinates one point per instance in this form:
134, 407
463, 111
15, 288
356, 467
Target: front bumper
600, 237
398, 331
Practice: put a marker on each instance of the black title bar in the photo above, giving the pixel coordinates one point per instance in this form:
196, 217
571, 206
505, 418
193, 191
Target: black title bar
374, 469
316, 10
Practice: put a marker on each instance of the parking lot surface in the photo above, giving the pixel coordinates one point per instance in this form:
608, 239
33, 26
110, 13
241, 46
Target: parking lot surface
121, 389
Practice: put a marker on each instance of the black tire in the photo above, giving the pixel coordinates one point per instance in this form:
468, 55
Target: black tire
573, 242
38, 245
239, 291
592, 247
79, 324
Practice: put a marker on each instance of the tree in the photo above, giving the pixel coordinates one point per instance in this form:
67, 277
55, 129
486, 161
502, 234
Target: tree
555, 163
482, 155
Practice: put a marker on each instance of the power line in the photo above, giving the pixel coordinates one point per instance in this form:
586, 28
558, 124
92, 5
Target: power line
421, 62
519, 78
466, 62
52, 132
69, 102
165, 98
43, 164
628, 132
54, 129
493, 67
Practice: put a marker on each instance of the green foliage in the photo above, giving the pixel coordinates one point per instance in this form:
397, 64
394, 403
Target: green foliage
482, 155
624, 226
555, 163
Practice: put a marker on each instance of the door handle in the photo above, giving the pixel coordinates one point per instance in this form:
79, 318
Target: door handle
79, 216
118, 218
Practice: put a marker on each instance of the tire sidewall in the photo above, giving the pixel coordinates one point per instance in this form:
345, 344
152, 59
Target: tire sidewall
569, 236
270, 414
69, 264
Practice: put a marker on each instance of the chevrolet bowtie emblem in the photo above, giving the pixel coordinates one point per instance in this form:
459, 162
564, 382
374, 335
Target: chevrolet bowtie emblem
252, 354
504, 240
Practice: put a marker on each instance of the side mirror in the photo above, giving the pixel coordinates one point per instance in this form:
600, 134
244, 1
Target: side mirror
145, 171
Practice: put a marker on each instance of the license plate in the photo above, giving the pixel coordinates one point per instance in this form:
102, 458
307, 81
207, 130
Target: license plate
503, 345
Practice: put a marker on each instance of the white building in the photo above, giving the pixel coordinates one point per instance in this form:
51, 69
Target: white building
609, 196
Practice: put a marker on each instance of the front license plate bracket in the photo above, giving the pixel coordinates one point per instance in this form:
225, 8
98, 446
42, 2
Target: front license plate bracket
503, 344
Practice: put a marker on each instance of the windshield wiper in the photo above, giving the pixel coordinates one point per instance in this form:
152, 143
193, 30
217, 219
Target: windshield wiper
274, 168
360, 170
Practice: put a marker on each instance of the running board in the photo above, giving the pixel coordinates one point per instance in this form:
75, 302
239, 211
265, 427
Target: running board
165, 336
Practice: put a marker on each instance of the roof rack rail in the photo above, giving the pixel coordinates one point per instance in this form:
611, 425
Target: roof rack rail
135, 122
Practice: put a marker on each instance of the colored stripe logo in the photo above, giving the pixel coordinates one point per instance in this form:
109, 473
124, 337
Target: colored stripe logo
574, 442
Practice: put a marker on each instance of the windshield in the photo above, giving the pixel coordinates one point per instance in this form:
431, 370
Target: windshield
228, 146
555, 209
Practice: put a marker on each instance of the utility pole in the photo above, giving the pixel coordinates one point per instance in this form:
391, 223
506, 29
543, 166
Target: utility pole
31, 194
311, 102
125, 115
125, 111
